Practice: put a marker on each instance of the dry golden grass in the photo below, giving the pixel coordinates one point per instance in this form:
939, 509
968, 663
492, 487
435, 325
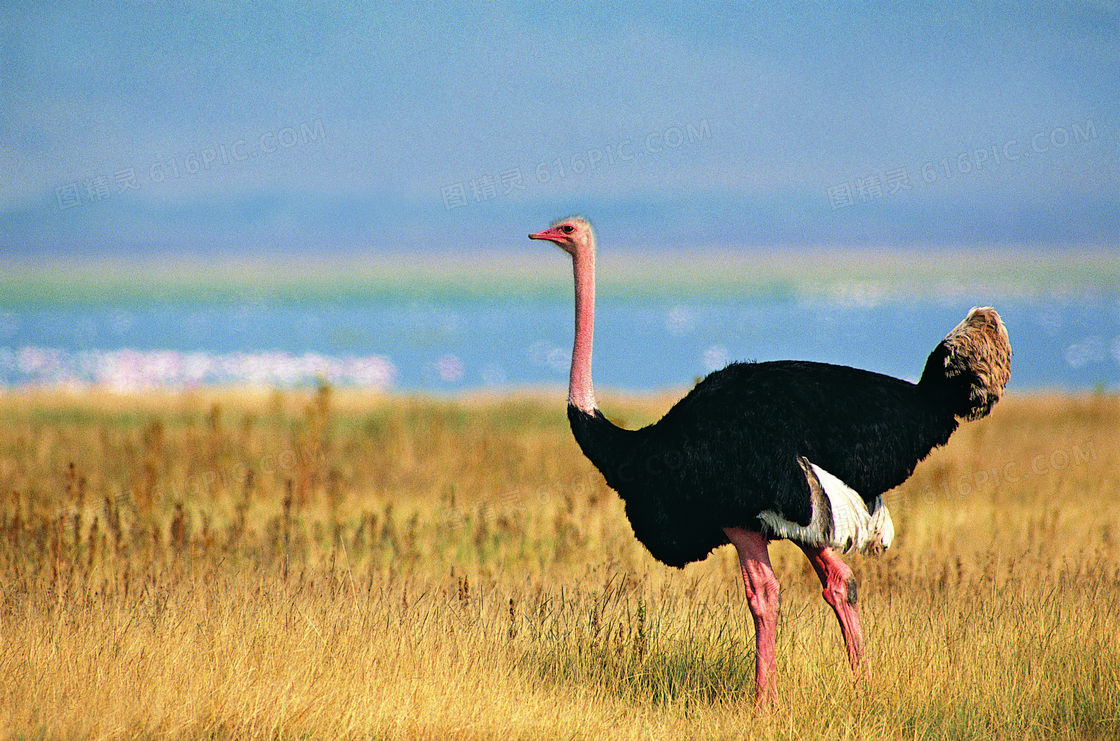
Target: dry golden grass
240, 566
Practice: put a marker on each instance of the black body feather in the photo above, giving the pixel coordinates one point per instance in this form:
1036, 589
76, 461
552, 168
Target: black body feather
729, 449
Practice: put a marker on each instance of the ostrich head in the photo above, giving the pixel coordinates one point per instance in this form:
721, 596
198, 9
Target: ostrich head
573, 234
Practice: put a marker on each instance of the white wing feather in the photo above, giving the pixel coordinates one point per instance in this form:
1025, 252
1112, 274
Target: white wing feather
848, 527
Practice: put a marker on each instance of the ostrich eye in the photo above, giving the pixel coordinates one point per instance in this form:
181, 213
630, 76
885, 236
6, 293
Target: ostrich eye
567, 229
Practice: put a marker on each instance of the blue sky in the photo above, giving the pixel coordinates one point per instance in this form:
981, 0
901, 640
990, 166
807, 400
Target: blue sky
200, 127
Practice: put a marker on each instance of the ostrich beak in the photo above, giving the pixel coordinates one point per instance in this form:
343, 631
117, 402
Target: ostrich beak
550, 235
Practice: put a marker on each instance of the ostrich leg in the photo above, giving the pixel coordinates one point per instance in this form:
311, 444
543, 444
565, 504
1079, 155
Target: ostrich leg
762, 597
840, 593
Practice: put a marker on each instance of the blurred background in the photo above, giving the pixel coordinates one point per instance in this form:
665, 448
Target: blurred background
208, 193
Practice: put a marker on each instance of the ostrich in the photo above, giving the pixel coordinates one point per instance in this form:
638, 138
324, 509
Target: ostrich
793, 450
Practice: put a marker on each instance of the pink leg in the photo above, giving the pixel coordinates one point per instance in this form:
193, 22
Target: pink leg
762, 597
840, 592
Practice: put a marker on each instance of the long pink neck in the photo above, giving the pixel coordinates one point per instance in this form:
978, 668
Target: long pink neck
581, 393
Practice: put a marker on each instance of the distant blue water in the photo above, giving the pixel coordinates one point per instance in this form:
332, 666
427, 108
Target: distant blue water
1059, 343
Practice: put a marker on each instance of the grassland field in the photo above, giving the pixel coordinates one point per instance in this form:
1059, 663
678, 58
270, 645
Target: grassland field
332, 565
